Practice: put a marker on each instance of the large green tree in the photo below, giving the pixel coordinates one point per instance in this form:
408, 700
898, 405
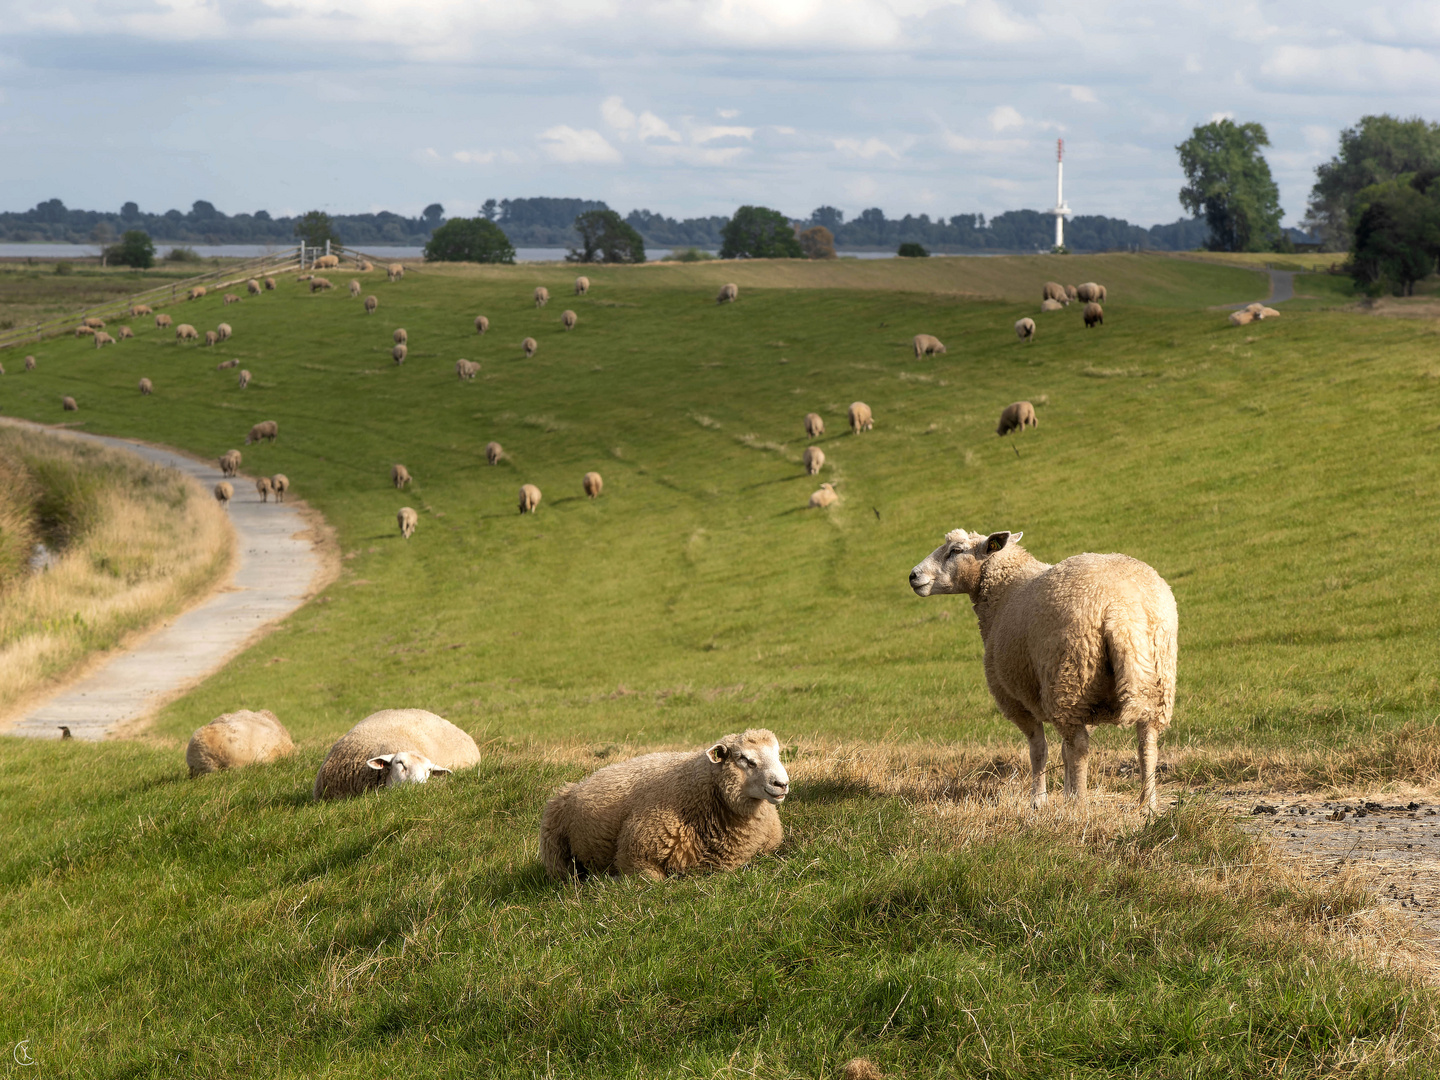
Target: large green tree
606, 237
134, 249
476, 239
1377, 149
757, 232
1229, 182
1396, 233
314, 228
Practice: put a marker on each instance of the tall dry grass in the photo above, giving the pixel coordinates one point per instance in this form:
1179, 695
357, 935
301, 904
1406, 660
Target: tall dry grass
133, 543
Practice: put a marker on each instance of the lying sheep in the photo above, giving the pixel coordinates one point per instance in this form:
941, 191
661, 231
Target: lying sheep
1241, 318
399, 352
102, 339
99, 324
163, 321
1094, 315
394, 272
530, 345
318, 283
814, 459
230, 462
230, 298
401, 337
1025, 329
136, 310
262, 487
407, 519
860, 418
146, 387
252, 287
197, 292
392, 747
234, 740
372, 305
494, 452
542, 296
814, 425
225, 364
669, 813
928, 345
729, 293
1091, 640
124, 332
224, 493
270, 283
68, 404
593, 484
582, 285
1268, 313
568, 320
1054, 291
224, 331
1017, 417
365, 266
823, 496
266, 429
211, 337
481, 324
529, 498
186, 332
399, 476
466, 369
327, 262
279, 484
29, 363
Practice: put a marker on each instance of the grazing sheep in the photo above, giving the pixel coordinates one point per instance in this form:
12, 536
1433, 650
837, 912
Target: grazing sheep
84, 331
211, 337
401, 337
279, 484
729, 293
593, 484
252, 287
408, 519
68, 404
1086, 292
270, 283
1017, 417
1056, 292
814, 459
542, 296
224, 331
197, 292
365, 266
230, 298
669, 813
1241, 318
230, 462
399, 476
29, 363
529, 498
244, 378
224, 493
102, 339
1090, 640
227, 364
136, 310
394, 272
99, 324
318, 283
814, 425
823, 496
1094, 315
928, 345
392, 747
124, 332
1025, 329
163, 321
860, 418
1072, 293
481, 324
354, 288
372, 304
466, 369
568, 320
1051, 305
327, 262
398, 353
530, 345
582, 285
494, 452
186, 332
266, 429
262, 486
147, 387
234, 740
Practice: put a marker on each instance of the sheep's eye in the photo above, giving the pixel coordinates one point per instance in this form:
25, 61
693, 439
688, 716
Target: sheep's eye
749, 763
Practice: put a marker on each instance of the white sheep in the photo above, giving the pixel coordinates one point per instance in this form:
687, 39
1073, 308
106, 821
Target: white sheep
252, 287
266, 429
211, 337
225, 365
230, 298
327, 262
1056, 292
1094, 315
407, 520
928, 345
68, 404
102, 339
29, 363
542, 296
1051, 305
582, 285
398, 353
197, 292
494, 452
372, 304
95, 323
531, 346
224, 492
262, 488
823, 496
136, 310
1017, 416
394, 272
1090, 293
365, 757
593, 484
186, 332
230, 462
224, 331
814, 425
1025, 329
466, 369
814, 459
729, 293
481, 324
568, 320
270, 284
244, 378
163, 321
124, 332
279, 484
1242, 318
236, 739
529, 498
401, 337
1090, 640
146, 387
399, 476
860, 417
669, 813
354, 288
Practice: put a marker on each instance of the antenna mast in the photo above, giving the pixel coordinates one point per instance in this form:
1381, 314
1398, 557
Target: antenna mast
1061, 210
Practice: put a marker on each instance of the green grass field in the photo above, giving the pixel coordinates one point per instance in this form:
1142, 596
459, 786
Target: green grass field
1279, 476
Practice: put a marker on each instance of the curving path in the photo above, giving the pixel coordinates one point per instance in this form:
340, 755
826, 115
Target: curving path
278, 567
1282, 288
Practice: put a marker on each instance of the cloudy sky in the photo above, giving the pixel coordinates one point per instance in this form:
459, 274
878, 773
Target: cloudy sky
684, 107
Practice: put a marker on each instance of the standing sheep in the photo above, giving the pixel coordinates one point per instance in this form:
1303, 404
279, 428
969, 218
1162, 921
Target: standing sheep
136, 310
1090, 292
99, 324
494, 452
319, 283
211, 337
266, 429
146, 387
372, 304
29, 363
1025, 329
466, 369
928, 345
224, 331
270, 284
327, 262
102, 339
823, 496
1090, 640
814, 425
530, 345
860, 418
163, 321
814, 459
244, 378
401, 337
354, 288
1094, 315
252, 287
582, 285
1071, 293
68, 404
262, 487
542, 296
398, 353
529, 498
230, 462
186, 332
568, 320
279, 484
84, 331
392, 747
197, 292
729, 293
481, 324
234, 740
224, 492
407, 519
394, 272
593, 484
1054, 291
124, 332
669, 813
399, 476
1051, 305
1017, 417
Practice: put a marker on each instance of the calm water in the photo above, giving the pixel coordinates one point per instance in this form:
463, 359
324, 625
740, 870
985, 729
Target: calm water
251, 251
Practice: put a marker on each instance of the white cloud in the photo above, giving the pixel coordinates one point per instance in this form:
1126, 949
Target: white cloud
869, 149
646, 126
568, 146
1216, 117
703, 133
614, 113
727, 114
1082, 94
474, 157
1006, 116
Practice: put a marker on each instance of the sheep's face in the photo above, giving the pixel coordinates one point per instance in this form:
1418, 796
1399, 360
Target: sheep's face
406, 767
954, 567
750, 768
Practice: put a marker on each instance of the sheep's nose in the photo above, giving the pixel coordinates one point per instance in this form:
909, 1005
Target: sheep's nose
914, 577
781, 784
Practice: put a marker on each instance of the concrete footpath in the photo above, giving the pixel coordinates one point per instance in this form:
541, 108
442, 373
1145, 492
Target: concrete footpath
278, 567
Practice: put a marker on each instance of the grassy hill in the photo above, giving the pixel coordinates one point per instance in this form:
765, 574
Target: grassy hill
1279, 476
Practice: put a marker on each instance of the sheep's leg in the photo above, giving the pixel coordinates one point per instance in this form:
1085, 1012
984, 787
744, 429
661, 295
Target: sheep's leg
1148, 736
1034, 732
1075, 751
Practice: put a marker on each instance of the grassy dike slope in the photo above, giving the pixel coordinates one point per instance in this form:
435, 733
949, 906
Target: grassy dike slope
230, 927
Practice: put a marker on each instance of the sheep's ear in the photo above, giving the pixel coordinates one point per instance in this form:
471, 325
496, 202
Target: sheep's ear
718, 753
997, 541
438, 771
380, 763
